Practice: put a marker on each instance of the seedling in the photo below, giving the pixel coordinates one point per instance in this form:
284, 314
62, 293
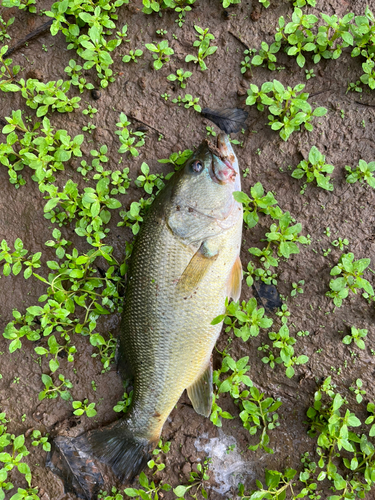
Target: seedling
297, 288
90, 127
309, 73
356, 335
313, 169
189, 101
107, 350
178, 159
161, 32
132, 56
83, 407
288, 107
13, 261
363, 172
90, 111
266, 55
149, 490
148, 181
51, 390
351, 278
3, 28
354, 87
358, 391
124, 404
246, 64
197, 480
39, 440
161, 448
341, 243
160, 53
130, 140
210, 131
204, 48
180, 76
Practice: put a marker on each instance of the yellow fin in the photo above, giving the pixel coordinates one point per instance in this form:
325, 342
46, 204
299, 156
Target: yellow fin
200, 393
195, 272
235, 279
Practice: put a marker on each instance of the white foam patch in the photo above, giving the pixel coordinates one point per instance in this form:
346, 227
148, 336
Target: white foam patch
227, 465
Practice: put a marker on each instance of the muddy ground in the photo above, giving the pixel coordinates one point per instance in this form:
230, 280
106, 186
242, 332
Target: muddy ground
344, 137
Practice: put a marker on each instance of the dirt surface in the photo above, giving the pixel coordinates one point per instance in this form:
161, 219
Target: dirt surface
348, 211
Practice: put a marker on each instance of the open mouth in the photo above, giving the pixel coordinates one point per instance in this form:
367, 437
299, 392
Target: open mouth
223, 166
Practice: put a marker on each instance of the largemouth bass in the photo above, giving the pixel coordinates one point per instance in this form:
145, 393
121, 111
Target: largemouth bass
184, 264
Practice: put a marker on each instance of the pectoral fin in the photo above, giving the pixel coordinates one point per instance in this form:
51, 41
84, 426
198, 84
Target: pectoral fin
235, 279
200, 393
195, 271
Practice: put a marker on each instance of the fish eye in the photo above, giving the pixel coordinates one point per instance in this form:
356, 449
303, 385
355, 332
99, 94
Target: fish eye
197, 166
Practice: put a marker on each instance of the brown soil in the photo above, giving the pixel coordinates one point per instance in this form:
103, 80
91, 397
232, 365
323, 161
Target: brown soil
348, 212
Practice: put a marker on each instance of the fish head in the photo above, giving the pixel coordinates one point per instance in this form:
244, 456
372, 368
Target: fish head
202, 196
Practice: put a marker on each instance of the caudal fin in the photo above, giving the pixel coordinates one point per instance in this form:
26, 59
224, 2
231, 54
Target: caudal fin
79, 462
117, 447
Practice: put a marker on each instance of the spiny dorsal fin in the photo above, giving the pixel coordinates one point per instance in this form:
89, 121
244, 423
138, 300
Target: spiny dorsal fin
200, 393
235, 279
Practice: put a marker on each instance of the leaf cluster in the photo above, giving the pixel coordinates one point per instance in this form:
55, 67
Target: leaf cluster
160, 53
13, 261
288, 106
204, 47
130, 140
315, 168
364, 172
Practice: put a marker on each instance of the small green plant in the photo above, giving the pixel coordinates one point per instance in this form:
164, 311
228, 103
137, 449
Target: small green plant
354, 87
363, 172
148, 181
178, 159
357, 335
13, 261
124, 404
266, 55
90, 111
341, 243
351, 272
297, 288
180, 76
309, 73
83, 407
246, 63
132, 56
130, 140
314, 169
161, 32
358, 391
288, 107
107, 349
149, 490
204, 47
196, 481
40, 440
51, 390
165, 96
160, 53
3, 28
190, 102
156, 462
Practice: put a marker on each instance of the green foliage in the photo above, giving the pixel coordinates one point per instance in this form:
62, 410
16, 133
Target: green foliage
204, 47
196, 481
74, 71
45, 152
244, 319
255, 410
227, 3
358, 391
3, 28
178, 159
189, 101
157, 452
341, 243
149, 490
313, 169
106, 348
130, 140
180, 76
83, 407
266, 55
148, 181
124, 404
246, 64
21, 4
297, 288
364, 172
51, 391
40, 440
351, 272
54, 349
90, 111
94, 47
356, 335
132, 56
160, 53
288, 107
134, 216
276, 484
12, 261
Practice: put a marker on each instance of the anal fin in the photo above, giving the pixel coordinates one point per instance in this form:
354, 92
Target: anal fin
200, 392
235, 279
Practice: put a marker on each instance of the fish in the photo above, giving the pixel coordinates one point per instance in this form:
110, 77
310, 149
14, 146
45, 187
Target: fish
185, 263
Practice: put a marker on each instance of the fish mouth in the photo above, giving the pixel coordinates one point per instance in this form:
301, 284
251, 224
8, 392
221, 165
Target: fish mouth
223, 165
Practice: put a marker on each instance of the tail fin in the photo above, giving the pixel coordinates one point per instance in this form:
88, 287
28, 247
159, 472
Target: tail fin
117, 447
79, 462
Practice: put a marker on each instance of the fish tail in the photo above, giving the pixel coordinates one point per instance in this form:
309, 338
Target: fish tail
119, 448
